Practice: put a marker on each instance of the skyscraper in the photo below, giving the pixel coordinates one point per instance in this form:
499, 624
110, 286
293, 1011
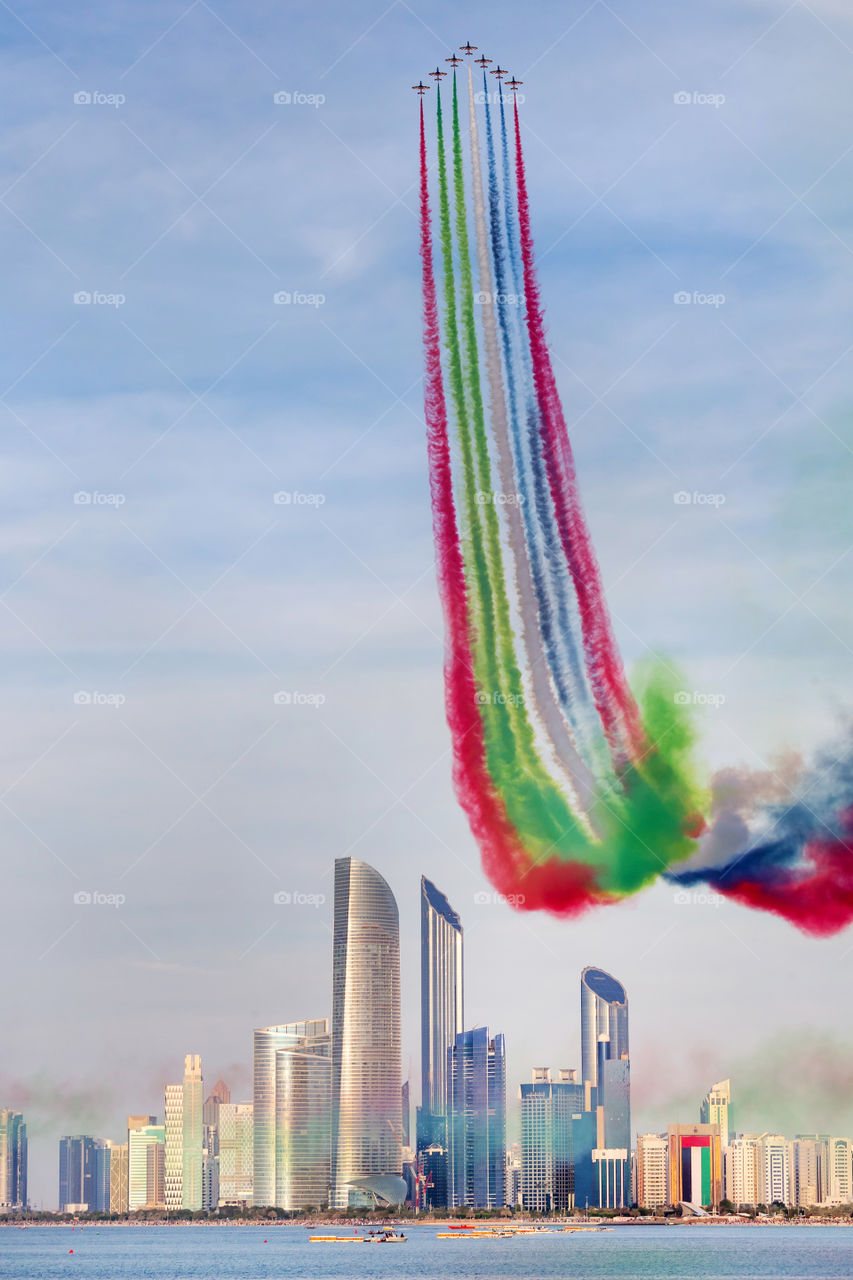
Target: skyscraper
75, 1171
547, 1153
236, 1152
173, 1158
366, 1067
604, 1022
118, 1178
145, 1167
84, 1174
695, 1164
13, 1161
183, 1153
607, 1079
291, 1089
303, 1098
477, 1120
715, 1108
442, 1007
193, 1136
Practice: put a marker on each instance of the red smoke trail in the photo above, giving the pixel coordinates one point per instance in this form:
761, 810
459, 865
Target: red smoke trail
819, 902
616, 706
562, 888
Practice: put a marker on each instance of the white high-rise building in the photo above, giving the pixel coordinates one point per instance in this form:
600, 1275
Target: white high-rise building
184, 1148
840, 1171
809, 1165
236, 1152
193, 1137
773, 1182
741, 1171
174, 1153
652, 1164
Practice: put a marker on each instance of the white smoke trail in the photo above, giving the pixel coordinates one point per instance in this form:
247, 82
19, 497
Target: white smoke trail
578, 779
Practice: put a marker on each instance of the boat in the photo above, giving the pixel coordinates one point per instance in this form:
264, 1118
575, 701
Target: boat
386, 1235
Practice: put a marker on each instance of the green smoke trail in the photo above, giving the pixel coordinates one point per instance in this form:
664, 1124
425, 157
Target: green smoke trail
529, 792
643, 828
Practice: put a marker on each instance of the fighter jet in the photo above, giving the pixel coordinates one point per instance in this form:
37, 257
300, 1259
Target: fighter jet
454, 61
468, 49
514, 84
482, 62
420, 88
498, 71
437, 74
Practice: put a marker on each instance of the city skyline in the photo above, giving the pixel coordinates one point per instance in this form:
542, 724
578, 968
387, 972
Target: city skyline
294, 1146
177, 583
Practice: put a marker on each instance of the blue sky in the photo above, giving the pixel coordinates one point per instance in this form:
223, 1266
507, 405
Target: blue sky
196, 597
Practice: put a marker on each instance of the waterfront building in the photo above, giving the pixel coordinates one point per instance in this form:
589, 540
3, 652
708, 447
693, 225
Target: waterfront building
292, 1117
695, 1164
652, 1162
547, 1155
145, 1164
366, 1057
477, 1120
236, 1153
13, 1161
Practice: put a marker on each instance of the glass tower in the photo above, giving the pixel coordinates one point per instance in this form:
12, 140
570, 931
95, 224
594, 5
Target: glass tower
604, 1021
366, 1059
477, 1120
13, 1161
442, 1015
302, 1122
270, 1112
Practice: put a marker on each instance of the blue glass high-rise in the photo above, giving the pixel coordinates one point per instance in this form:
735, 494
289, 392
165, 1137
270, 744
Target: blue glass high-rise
477, 1121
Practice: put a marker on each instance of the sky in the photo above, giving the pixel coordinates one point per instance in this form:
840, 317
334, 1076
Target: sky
156, 597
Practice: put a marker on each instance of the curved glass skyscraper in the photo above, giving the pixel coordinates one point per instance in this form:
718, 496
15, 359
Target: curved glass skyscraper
366, 1071
604, 1022
284, 1099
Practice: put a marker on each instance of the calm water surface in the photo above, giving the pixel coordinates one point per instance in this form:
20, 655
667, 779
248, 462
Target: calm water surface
240, 1253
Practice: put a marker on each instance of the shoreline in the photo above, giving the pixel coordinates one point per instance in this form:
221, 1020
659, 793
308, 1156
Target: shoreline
79, 1224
